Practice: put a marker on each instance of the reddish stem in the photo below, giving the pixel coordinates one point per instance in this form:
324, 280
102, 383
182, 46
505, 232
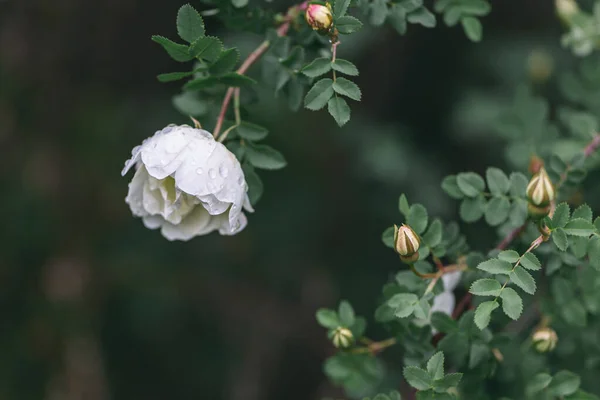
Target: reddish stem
592, 147
510, 237
252, 58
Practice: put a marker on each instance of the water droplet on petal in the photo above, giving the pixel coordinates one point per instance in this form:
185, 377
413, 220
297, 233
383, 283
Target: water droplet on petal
212, 173
199, 171
167, 129
241, 180
164, 161
223, 171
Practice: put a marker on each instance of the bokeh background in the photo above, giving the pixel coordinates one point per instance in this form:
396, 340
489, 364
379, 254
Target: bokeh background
94, 306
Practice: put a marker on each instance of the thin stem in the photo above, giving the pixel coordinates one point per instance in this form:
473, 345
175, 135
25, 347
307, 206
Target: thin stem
253, 57
375, 347
236, 106
592, 146
512, 235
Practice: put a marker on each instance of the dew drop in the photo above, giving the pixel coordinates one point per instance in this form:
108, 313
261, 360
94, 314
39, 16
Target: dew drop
223, 171
212, 173
241, 181
167, 129
199, 171
163, 161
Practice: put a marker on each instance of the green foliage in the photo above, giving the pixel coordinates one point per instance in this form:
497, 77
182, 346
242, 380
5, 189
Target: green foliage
506, 196
465, 12
553, 259
431, 383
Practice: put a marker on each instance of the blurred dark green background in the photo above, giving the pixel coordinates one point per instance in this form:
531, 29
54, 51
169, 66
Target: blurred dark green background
94, 306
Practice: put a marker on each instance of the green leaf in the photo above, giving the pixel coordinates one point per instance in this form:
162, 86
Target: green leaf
207, 48
348, 24
417, 378
512, 304
433, 236
476, 7
435, 366
319, 94
340, 7
450, 186
346, 314
443, 322
472, 208
417, 218
530, 261
234, 79
579, 227
403, 303
561, 215
252, 132
378, 11
403, 205
510, 256
584, 212
344, 67
422, 16
347, 88
318, 67
484, 312
486, 287
397, 18
226, 62
497, 181
518, 184
564, 383
174, 76
559, 237
387, 237
255, 184
557, 164
432, 395
497, 210
189, 104
447, 382
472, 28
478, 354
538, 383
523, 279
327, 318
239, 3
265, 157
470, 183
178, 52
190, 25
201, 83
594, 252
496, 266
338, 108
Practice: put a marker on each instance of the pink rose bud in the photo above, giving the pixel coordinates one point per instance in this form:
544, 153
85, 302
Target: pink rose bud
319, 17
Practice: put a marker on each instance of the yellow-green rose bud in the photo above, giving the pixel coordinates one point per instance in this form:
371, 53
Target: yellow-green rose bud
319, 17
540, 191
342, 338
406, 243
566, 9
544, 339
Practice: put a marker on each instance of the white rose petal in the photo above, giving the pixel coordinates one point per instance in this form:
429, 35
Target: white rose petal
187, 184
444, 302
451, 280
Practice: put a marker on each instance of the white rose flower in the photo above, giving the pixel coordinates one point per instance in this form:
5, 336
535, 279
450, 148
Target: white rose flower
187, 184
445, 301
